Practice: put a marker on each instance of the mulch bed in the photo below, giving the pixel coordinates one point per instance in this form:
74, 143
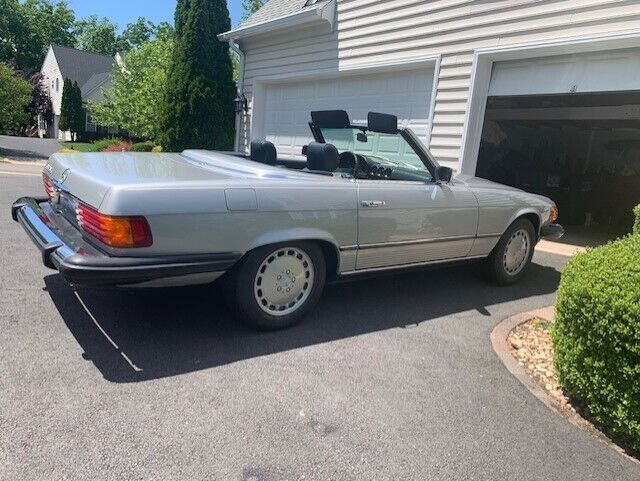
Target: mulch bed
530, 344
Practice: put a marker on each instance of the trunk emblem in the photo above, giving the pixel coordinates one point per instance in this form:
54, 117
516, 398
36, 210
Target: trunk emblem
64, 176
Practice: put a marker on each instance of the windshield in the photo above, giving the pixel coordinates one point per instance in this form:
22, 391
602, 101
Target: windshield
389, 148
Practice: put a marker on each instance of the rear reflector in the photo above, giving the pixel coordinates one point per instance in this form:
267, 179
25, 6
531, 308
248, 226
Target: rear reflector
117, 231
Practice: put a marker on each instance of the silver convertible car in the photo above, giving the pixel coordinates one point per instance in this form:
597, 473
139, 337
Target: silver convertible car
361, 198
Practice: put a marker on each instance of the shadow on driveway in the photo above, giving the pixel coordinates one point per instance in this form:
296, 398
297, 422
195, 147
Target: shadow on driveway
154, 333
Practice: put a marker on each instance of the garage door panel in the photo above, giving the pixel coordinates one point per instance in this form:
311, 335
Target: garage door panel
406, 94
589, 72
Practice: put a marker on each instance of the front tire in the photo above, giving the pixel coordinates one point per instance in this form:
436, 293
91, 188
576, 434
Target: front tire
276, 286
511, 257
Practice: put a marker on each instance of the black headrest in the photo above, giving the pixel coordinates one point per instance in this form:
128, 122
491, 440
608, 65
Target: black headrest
264, 152
322, 157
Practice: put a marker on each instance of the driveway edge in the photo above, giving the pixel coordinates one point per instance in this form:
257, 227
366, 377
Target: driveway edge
500, 345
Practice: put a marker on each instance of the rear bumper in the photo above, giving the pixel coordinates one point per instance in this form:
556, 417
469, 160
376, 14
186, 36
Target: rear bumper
63, 248
551, 232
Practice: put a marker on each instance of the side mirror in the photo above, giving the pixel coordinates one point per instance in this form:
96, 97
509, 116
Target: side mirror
361, 137
443, 175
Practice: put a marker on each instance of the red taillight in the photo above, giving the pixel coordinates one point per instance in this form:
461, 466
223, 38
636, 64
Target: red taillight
114, 231
48, 186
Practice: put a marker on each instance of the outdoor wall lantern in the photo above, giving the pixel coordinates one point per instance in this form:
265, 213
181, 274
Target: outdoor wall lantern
241, 103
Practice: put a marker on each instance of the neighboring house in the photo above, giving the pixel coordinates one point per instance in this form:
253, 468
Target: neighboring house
550, 88
92, 72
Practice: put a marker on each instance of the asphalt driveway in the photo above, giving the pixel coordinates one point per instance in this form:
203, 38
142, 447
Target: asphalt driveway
391, 378
27, 147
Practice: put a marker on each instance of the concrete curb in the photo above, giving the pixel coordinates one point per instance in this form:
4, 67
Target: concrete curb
559, 248
500, 344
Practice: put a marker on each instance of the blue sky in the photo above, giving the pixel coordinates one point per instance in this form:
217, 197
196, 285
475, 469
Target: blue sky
125, 11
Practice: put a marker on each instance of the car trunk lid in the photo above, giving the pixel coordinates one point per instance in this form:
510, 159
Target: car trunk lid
90, 176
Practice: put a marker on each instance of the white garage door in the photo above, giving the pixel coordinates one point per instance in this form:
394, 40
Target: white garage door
613, 70
406, 94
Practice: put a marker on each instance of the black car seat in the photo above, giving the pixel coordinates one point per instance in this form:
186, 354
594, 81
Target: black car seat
264, 152
322, 158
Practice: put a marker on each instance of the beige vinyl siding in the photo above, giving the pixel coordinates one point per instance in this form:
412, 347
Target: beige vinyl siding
369, 32
311, 51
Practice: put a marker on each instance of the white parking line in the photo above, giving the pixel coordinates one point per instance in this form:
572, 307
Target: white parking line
6, 160
104, 333
4, 172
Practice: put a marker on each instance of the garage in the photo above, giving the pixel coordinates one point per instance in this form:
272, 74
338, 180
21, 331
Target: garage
406, 94
568, 127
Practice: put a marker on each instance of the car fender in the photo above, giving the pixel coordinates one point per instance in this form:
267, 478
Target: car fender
278, 236
521, 213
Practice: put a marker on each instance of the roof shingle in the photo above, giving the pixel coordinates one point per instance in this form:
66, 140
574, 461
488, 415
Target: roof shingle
79, 65
278, 8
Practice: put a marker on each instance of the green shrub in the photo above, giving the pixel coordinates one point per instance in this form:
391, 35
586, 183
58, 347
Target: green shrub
100, 145
596, 336
636, 226
142, 146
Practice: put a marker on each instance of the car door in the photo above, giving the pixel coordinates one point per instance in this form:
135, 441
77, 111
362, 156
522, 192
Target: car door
408, 222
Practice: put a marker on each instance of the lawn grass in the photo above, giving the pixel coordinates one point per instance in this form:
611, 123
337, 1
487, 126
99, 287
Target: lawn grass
79, 146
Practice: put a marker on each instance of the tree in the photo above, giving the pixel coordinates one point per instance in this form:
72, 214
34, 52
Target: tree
136, 100
27, 29
199, 110
72, 116
97, 35
52, 22
136, 33
251, 6
15, 94
164, 31
40, 106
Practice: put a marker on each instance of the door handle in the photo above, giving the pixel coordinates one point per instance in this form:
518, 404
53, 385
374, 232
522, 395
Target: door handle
373, 203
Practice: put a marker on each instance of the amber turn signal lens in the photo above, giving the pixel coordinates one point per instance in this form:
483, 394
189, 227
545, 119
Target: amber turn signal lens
114, 231
553, 214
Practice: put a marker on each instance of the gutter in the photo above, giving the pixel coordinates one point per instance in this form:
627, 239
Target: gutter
318, 12
240, 86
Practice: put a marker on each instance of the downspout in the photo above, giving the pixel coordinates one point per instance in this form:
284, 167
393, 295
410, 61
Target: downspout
240, 86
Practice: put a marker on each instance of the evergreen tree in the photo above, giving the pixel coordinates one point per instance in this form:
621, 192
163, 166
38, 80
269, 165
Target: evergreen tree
199, 109
78, 123
66, 108
72, 116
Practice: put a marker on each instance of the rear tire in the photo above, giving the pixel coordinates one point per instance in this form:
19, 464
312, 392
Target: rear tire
276, 286
511, 257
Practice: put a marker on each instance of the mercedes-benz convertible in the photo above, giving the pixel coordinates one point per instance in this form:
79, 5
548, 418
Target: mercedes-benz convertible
273, 230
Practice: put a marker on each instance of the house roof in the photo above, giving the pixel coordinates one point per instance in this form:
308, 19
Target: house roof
79, 65
281, 14
278, 8
92, 89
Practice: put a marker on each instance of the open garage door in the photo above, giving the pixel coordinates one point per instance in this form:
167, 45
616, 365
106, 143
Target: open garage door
287, 107
569, 128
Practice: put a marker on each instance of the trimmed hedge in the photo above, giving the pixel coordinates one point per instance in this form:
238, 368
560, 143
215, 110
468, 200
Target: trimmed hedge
636, 226
142, 147
596, 336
